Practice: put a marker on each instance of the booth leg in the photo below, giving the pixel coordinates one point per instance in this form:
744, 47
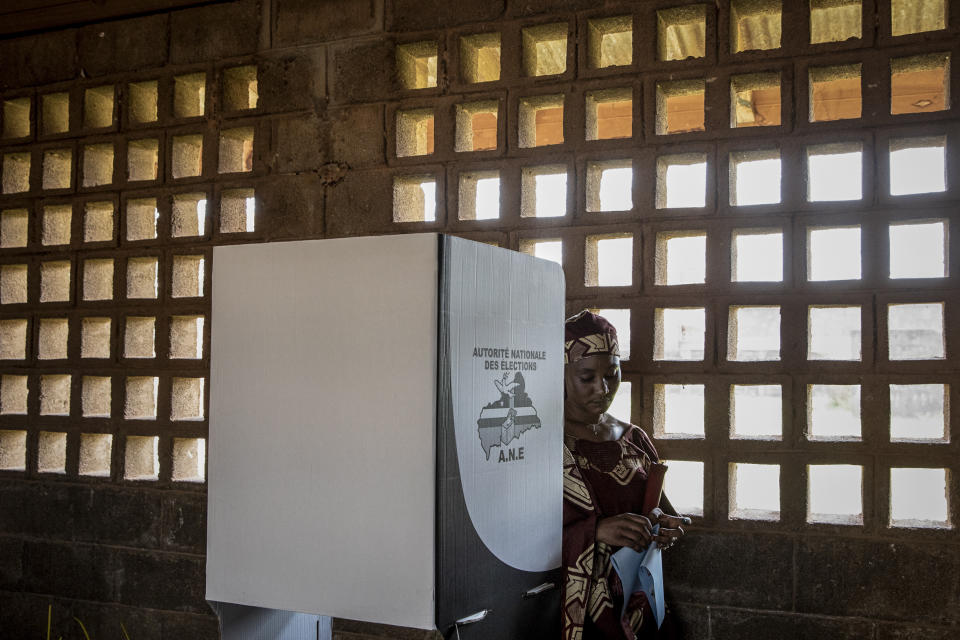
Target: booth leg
240, 622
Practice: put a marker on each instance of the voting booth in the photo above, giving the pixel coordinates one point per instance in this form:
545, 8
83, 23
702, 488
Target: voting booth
386, 437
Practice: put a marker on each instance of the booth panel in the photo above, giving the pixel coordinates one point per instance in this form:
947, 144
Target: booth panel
322, 428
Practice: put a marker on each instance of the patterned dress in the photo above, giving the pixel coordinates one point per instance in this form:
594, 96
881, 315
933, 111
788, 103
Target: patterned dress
601, 479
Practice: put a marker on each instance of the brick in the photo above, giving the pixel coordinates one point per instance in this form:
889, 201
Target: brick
688, 621
125, 45
360, 205
185, 522
723, 569
420, 15
138, 581
356, 135
217, 31
293, 82
11, 563
130, 517
363, 72
534, 7
301, 144
915, 632
66, 512
303, 21
38, 59
291, 207
726, 624
68, 570
917, 582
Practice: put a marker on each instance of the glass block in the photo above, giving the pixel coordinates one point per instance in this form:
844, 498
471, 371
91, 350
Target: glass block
236, 150
684, 486
620, 319
53, 338
756, 411
919, 412
97, 165
98, 279
753, 334
918, 165
480, 57
621, 406
609, 185
143, 159
95, 454
139, 337
682, 32
609, 261
189, 95
678, 410
98, 222
13, 339
545, 50
141, 398
142, 215
834, 172
479, 195
682, 181
835, 92
917, 16
835, 493
143, 102
417, 65
13, 450
414, 199
679, 334
238, 207
834, 333
918, 250
16, 173
609, 114
540, 121
835, 20
610, 42
915, 331
188, 215
833, 411
414, 132
833, 253
543, 192
14, 228
918, 498
13, 283
141, 458
754, 491
186, 402
57, 169
98, 107
757, 255
142, 278
57, 221
55, 281
96, 396
755, 25
754, 177
477, 126
55, 395
95, 338
52, 452
240, 89
551, 249
920, 84
755, 100
680, 106
189, 459
681, 257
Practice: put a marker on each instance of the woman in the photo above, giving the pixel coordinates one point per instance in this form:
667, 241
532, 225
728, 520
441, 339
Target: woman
605, 470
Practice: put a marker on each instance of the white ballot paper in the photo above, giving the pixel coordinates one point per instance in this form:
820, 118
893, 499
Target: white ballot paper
642, 571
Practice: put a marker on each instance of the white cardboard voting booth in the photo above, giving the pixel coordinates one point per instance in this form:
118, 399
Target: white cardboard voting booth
386, 433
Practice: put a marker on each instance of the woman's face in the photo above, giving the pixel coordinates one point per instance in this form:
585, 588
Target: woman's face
590, 384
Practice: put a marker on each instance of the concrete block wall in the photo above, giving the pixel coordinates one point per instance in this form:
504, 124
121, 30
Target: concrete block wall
121, 549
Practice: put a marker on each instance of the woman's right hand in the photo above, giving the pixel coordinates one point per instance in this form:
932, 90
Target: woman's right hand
626, 530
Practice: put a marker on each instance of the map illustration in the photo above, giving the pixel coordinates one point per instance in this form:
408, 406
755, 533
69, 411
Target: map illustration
505, 420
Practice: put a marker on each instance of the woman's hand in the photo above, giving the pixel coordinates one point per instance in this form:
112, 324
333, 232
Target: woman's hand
670, 527
626, 530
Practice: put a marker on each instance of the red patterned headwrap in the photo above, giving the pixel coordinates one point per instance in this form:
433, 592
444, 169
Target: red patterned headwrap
588, 334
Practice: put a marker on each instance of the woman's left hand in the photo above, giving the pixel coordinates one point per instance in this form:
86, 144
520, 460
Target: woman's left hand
670, 527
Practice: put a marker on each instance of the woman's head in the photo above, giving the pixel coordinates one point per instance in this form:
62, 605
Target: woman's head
592, 371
